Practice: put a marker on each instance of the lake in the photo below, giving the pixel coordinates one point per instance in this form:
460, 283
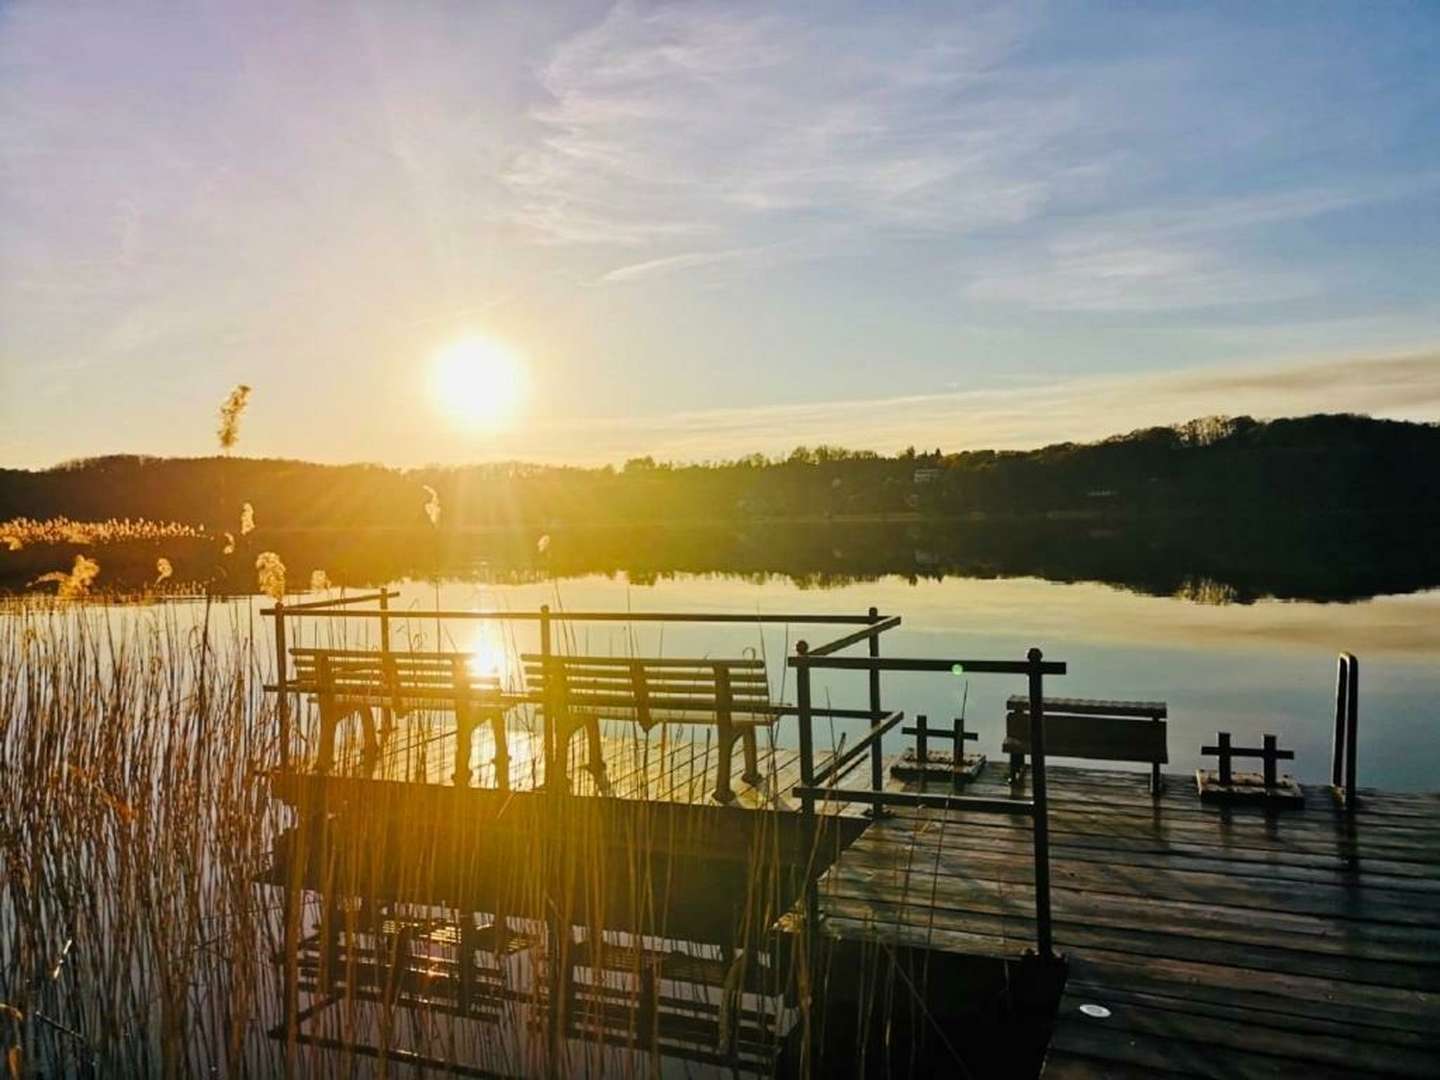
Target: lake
1265, 666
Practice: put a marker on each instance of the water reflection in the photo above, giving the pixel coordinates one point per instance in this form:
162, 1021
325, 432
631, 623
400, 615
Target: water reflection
1249, 669
1200, 560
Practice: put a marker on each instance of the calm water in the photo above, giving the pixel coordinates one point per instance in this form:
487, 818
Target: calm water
1252, 668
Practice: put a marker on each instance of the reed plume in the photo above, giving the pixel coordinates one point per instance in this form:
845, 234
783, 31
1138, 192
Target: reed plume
163, 569
432, 505
319, 581
247, 519
77, 582
230, 413
271, 572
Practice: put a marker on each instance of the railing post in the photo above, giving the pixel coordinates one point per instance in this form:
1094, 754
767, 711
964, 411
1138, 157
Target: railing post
922, 744
810, 837
1043, 940
1268, 756
548, 667
557, 928
282, 695
387, 714
1337, 745
1352, 732
877, 760
1222, 744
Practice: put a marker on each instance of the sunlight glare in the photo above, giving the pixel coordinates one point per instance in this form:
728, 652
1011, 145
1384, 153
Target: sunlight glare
479, 381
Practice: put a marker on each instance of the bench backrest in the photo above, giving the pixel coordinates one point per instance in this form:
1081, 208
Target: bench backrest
1092, 729
651, 690
367, 673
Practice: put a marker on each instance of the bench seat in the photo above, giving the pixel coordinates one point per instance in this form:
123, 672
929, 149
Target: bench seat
1092, 729
731, 694
346, 682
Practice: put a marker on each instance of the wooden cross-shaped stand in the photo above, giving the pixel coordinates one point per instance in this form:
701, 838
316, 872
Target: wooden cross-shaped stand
917, 763
1268, 786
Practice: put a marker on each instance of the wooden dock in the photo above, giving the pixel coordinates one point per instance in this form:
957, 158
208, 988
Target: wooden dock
1216, 943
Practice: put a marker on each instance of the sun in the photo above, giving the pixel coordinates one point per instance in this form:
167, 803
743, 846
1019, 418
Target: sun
479, 381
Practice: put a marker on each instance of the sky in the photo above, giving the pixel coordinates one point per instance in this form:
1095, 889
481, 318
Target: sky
709, 229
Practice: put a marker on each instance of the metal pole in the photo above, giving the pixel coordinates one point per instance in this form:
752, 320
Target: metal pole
282, 695
1337, 746
556, 927
1352, 735
1043, 940
877, 760
809, 835
548, 667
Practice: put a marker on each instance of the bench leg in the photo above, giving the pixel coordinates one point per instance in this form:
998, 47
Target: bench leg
502, 750
1156, 783
1017, 767
325, 753
371, 759
751, 775
464, 735
595, 754
727, 736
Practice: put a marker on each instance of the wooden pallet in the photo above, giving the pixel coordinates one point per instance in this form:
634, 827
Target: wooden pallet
1248, 787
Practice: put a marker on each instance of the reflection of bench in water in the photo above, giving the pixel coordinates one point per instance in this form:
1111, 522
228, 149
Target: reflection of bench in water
731, 694
1092, 729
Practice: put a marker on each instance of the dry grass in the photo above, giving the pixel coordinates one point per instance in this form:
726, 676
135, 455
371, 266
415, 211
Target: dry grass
135, 819
23, 532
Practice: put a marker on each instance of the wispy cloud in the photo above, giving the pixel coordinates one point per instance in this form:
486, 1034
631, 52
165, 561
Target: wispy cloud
666, 124
641, 270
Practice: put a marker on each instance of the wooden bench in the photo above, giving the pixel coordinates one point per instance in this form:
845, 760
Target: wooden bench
346, 682
733, 695
1091, 729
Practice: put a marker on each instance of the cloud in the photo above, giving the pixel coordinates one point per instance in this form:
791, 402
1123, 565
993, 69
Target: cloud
681, 121
1016, 417
653, 267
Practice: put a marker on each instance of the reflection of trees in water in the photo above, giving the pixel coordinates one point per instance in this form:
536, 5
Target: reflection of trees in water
1197, 559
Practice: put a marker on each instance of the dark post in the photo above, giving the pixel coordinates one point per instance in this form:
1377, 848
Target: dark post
387, 714
548, 667
810, 837
1268, 754
1337, 746
1041, 813
877, 760
282, 697
922, 744
958, 754
556, 928
1222, 743
1352, 725
807, 745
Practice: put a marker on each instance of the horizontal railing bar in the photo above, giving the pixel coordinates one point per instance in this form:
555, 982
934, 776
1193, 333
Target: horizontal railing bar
924, 800
337, 601
861, 746
898, 663
856, 636
577, 616
1282, 755
378, 653
939, 732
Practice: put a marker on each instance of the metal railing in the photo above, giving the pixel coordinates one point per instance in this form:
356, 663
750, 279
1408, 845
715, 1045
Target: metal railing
820, 784
1347, 721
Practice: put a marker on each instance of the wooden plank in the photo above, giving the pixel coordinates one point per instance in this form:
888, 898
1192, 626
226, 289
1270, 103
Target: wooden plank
1105, 738
1155, 710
